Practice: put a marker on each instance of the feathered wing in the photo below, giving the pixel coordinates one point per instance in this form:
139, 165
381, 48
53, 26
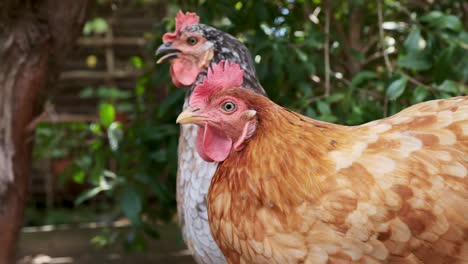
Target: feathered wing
390, 191
408, 177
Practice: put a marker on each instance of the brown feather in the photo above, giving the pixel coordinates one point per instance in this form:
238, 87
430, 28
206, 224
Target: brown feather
303, 191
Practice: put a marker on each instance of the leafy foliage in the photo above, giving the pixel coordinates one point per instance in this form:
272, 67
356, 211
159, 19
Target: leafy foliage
418, 53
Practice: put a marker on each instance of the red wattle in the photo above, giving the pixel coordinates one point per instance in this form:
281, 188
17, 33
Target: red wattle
183, 72
212, 145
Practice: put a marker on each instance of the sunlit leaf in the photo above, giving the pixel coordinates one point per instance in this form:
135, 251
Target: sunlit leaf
79, 176
137, 62
100, 25
88, 195
106, 114
396, 88
95, 128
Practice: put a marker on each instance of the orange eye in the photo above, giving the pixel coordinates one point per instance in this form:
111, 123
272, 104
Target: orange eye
228, 106
192, 41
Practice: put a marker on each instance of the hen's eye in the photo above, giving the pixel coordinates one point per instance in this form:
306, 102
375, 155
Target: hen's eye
228, 106
192, 41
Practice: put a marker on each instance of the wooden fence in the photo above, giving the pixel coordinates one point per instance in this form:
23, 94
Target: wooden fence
98, 60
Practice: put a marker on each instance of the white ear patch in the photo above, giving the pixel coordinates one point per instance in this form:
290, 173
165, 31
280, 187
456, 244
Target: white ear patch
249, 114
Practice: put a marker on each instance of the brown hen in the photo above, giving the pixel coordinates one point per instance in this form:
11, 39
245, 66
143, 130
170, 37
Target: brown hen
290, 189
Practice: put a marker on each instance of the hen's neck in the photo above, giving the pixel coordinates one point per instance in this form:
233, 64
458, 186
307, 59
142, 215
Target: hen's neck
283, 161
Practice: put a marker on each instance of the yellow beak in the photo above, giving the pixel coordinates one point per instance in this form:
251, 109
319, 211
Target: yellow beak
189, 117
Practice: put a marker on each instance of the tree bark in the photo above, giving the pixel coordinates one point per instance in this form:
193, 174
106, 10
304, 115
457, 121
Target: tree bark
35, 36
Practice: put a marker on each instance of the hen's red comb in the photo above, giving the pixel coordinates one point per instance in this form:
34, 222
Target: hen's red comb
221, 76
182, 20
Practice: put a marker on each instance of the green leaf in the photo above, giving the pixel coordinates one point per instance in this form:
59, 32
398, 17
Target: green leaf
310, 112
159, 156
440, 20
106, 114
87, 92
137, 62
413, 40
451, 22
97, 25
131, 203
358, 55
79, 176
414, 61
140, 86
95, 129
361, 77
101, 240
95, 146
328, 118
323, 107
432, 16
88, 28
396, 88
88, 195
84, 162
419, 95
336, 97
135, 242
301, 55
100, 25
448, 86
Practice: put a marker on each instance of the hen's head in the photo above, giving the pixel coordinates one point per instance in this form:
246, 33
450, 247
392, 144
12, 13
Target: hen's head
194, 46
224, 111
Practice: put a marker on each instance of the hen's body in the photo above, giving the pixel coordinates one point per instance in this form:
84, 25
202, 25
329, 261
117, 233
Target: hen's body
389, 191
194, 174
193, 181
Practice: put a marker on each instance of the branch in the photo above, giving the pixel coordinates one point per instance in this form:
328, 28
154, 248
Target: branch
416, 82
342, 79
382, 38
373, 56
370, 43
326, 50
384, 53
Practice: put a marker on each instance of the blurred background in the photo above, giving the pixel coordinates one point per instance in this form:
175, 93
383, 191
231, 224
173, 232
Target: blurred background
102, 188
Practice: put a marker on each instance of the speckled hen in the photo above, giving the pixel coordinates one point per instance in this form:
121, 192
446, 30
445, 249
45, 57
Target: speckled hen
290, 189
191, 49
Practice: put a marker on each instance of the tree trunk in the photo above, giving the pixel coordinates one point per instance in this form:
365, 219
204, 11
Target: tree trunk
35, 36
